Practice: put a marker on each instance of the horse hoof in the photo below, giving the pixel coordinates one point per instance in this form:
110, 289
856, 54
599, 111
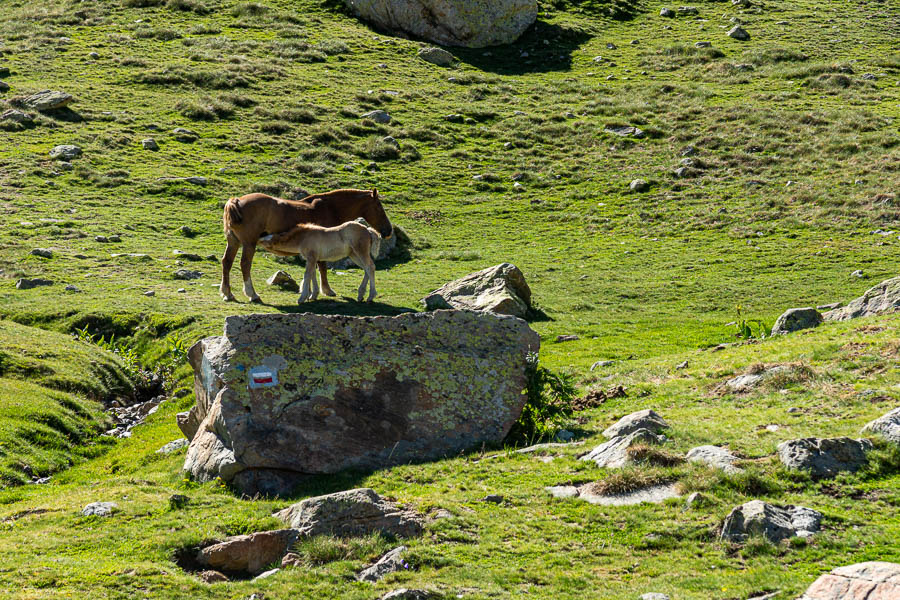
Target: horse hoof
228, 298
256, 300
329, 293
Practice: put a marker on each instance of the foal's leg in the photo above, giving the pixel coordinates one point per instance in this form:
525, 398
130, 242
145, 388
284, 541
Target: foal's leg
233, 244
315, 281
309, 274
370, 271
361, 263
323, 271
247, 252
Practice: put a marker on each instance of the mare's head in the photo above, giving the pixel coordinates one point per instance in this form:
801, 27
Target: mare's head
373, 213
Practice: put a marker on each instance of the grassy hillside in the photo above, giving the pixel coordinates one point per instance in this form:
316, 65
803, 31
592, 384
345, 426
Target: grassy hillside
792, 143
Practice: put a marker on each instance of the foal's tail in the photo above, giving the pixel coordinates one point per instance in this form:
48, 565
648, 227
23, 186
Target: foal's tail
375, 248
232, 214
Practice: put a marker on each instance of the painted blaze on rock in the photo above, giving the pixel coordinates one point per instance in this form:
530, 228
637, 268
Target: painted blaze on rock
346, 392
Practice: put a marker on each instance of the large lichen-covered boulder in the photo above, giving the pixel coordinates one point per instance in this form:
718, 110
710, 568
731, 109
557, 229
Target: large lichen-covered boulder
470, 23
282, 396
499, 289
862, 581
883, 298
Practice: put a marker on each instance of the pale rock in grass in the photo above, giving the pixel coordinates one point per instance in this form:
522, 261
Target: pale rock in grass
858, 274
883, 298
644, 419
824, 457
469, 23
387, 564
174, 446
184, 135
625, 131
247, 553
860, 581
351, 513
714, 456
501, 289
187, 274
42, 252
266, 574
703, 44
283, 280
739, 33
149, 144
436, 56
666, 12
887, 425
16, 116
795, 319
149, 293
379, 116
72, 288
407, 594
638, 185
614, 453
187, 255
654, 596
27, 284
99, 509
65, 152
46, 100
688, 10
210, 576
775, 523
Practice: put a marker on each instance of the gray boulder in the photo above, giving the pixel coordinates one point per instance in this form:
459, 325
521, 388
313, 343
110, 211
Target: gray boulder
500, 289
279, 396
614, 453
149, 144
824, 457
887, 425
187, 274
739, 33
65, 152
436, 56
643, 419
47, 100
714, 456
638, 185
387, 564
173, 446
862, 581
470, 23
351, 513
881, 299
248, 553
775, 523
379, 116
99, 509
16, 116
795, 319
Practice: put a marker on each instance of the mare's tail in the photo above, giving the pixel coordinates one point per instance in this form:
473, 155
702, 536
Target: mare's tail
232, 215
375, 248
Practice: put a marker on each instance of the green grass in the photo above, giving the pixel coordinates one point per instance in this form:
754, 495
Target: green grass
275, 91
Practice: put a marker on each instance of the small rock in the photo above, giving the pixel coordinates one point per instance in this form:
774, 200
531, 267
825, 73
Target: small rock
857, 273
101, 238
824, 457
793, 410
93, 55
436, 56
407, 594
211, 576
42, 252
291, 560
149, 293
643, 419
703, 44
266, 574
739, 33
638, 185
869, 76
99, 509
174, 446
563, 435
563, 491
187, 255
611, 46
567, 338
614, 453
714, 456
379, 116
666, 12
493, 498
887, 425
65, 152
389, 563
149, 144
47, 100
187, 274
775, 523
602, 363
654, 596
184, 135
181, 291
177, 501
186, 231
16, 116
795, 319
27, 284
696, 500
682, 365
72, 288
114, 238
624, 131
454, 118
283, 280
688, 10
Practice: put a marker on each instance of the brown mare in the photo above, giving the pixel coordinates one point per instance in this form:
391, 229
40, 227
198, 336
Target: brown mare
250, 217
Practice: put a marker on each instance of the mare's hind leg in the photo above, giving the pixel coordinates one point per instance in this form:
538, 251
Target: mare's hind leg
323, 271
247, 252
233, 245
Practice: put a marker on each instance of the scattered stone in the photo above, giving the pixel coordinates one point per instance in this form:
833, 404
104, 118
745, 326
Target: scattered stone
824, 457
703, 44
283, 280
687, 10
739, 33
42, 252
93, 55
174, 446
869, 77
775, 523
291, 560
471, 23
567, 338
653, 494
563, 491
644, 419
389, 563
16, 116
614, 453
682, 172
351, 513
187, 255
72, 288
654, 596
455, 118
714, 456
688, 151
795, 319
602, 363
666, 12
46, 100
184, 135
178, 501
881, 299
861, 581
149, 293
149, 144
857, 273
407, 594
27, 284
99, 509
887, 425
682, 365
65, 152
210, 576
187, 274
749, 381
493, 498
624, 131
563, 436
436, 56
115, 238
638, 185
696, 500
379, 116
249, 553
500, 289
180, 291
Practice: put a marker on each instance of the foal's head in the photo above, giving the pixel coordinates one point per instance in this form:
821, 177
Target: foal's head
375, 216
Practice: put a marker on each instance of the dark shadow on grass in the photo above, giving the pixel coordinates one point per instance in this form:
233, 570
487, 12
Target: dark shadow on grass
346, 306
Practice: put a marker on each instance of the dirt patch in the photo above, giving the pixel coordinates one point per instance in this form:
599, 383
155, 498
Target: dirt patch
595, 398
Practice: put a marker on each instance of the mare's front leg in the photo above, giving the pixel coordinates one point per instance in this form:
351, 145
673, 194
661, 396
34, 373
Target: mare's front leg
323, 271
247, 252
233, 245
